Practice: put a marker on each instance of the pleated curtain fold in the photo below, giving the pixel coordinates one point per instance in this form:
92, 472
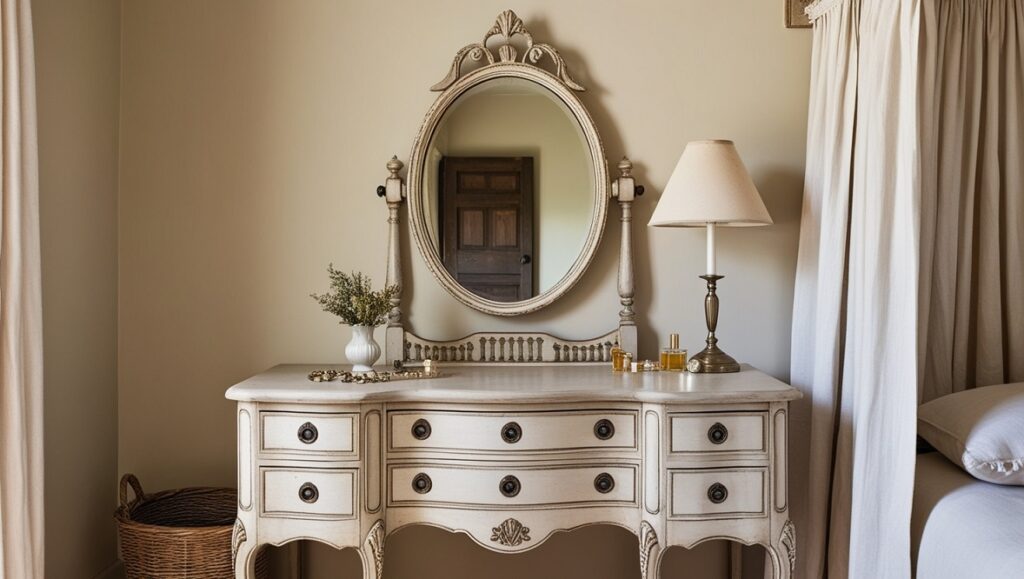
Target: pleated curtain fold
21, 361
972, 235
910, 275
855, 304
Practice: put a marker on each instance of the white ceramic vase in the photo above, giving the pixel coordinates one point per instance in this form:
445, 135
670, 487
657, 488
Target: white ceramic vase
362, 351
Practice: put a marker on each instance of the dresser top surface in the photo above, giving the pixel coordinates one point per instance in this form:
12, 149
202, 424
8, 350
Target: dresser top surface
541, 384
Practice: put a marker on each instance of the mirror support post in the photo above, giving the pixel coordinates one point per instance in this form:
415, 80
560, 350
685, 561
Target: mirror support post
626, 190
394, 195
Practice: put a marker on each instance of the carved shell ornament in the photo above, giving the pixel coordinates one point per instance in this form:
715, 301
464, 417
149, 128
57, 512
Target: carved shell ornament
510, 533
375, 542
237, 538
507, 26
788, 541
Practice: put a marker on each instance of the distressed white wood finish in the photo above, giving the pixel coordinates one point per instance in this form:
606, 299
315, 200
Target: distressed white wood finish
530, 384
746, 432
374, 460
393, 192
245, 456
336, 489
336, 433
551, 431
625, 190
689, 493
659, 494
458, 485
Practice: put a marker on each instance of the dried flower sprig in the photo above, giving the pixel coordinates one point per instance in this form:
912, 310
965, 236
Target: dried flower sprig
352, 299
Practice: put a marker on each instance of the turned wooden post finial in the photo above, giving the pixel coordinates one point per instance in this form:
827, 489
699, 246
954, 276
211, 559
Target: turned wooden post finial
394, 166
393, 189
394, 194
626, 167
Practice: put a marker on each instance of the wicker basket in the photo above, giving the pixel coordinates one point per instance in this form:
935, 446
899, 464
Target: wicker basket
179, 534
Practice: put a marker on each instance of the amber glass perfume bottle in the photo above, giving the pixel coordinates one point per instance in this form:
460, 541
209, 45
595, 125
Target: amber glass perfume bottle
618, 359
672, 358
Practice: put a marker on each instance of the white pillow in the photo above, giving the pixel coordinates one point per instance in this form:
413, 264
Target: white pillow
981, 429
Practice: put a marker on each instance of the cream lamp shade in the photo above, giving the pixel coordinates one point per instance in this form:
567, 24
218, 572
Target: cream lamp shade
710, 185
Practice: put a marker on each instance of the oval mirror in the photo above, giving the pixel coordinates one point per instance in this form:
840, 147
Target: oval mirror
508, 189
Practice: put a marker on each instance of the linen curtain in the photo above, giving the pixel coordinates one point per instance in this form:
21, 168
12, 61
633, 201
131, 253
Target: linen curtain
21, 364
972, 230
855, 304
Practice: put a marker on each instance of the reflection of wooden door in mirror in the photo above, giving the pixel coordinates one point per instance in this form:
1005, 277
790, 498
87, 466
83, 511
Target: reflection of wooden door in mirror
486, 225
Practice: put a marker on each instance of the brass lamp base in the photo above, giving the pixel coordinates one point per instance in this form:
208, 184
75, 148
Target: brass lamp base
714, 361
711, 359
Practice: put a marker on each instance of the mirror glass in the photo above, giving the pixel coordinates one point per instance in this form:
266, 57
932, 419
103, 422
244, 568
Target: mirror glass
508, 191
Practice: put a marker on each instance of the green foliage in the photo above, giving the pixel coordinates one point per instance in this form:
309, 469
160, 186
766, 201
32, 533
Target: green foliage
352, 299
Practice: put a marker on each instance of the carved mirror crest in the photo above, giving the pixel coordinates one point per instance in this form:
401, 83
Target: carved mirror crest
508, 192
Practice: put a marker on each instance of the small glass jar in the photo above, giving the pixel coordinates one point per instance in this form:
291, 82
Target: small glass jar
618, 357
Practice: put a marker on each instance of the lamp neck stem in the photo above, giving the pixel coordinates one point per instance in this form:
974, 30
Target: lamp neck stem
712, 266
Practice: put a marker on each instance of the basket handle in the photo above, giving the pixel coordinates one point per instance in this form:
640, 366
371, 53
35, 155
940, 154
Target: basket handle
130, 479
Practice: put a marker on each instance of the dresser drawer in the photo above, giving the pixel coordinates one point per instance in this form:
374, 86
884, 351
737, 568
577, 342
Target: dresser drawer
309, 492
502, 487
313, 433
513, 432
717, 493
713, 432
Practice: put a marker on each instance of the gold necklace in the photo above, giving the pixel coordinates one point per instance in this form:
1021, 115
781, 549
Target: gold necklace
373, 377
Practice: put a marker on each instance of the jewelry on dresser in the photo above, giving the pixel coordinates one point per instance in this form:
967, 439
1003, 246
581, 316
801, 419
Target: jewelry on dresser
644, 366
372, 377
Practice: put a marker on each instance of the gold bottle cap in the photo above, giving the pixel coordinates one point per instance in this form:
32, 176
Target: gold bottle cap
673, 341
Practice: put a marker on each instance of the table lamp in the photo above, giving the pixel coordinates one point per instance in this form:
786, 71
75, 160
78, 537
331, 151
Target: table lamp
710, 187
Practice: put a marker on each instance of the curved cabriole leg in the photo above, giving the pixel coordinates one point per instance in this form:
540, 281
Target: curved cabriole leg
372, 552
243, 552
650, 552
783, 553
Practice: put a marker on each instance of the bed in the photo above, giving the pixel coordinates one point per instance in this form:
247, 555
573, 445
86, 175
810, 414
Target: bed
964, 528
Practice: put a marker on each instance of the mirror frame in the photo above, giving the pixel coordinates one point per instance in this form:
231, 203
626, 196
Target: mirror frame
562, 87
516, 348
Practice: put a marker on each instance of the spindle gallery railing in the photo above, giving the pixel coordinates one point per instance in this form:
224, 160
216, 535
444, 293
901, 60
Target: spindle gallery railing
511, 348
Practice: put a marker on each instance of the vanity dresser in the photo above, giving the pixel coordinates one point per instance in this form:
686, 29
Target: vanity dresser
522, 434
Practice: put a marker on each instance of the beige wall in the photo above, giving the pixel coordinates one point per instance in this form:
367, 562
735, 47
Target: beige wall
254, 133
77, 59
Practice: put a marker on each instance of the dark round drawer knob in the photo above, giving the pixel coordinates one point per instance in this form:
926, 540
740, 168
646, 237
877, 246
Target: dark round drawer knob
510, 486
604, 483
308, 433
604, 429
421, 483
511, 432
718, 433
309, 493
717, 493
421, 429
